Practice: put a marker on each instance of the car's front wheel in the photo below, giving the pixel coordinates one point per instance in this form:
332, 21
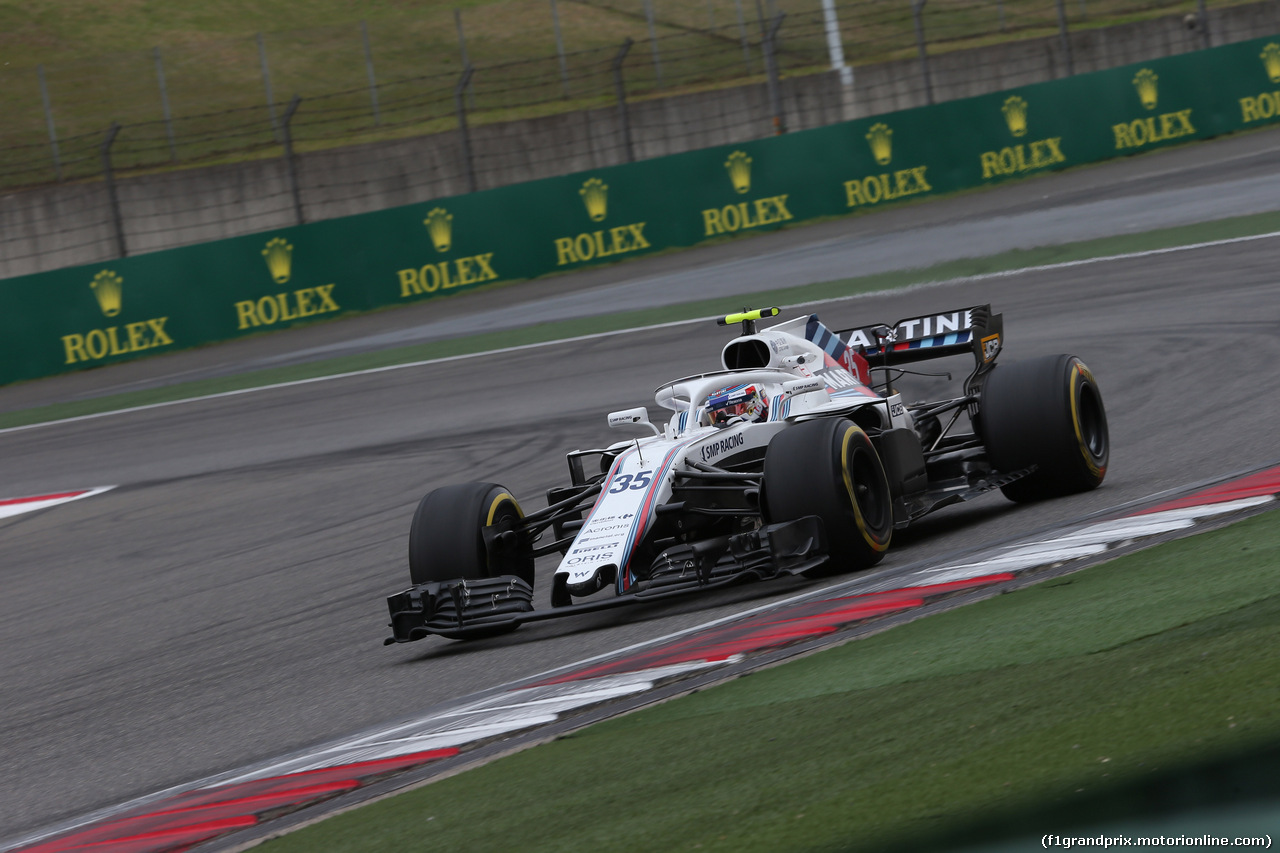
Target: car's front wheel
466, 531
830, 469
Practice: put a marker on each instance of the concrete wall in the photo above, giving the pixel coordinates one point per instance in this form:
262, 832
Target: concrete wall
65, 225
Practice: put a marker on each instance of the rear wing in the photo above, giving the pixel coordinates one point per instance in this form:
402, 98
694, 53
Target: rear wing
974, 330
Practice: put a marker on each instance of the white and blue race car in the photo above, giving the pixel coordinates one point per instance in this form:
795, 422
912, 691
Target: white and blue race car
791, 459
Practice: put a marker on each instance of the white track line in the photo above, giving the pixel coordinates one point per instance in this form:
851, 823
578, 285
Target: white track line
597, 335
11, 507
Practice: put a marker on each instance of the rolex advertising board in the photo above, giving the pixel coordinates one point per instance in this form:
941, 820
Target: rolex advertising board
1254, 75
134, 307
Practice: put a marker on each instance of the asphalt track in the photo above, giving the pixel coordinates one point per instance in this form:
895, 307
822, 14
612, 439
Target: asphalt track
225, 603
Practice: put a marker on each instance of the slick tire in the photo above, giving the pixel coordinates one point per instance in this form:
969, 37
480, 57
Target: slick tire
829, 468
454, 535
1045, 412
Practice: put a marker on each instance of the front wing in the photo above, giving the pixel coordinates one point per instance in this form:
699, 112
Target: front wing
469, 608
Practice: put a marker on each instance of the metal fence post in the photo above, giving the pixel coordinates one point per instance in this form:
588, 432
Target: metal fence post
109, 178
266, 84
368, 64
742, 34
48, 117
917, 8
621, 91
771, 67
289, 159
564, 65
1202, 23
164, 106
1066, 39
466, 60
653, 40
469, 162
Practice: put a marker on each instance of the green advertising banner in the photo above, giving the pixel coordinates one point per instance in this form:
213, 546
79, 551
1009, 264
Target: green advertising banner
134, 307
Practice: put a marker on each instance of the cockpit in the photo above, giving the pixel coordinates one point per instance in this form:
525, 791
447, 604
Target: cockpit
740, 403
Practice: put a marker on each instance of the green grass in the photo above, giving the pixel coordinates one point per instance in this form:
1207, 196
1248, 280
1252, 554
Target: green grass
99, 66
545, 332
1076, 689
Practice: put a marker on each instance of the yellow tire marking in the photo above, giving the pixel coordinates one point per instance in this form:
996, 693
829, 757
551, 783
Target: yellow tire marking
1079, 370
497, 501
848, 484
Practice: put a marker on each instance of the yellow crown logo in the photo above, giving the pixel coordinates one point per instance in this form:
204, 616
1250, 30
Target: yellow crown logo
595, 195
107, 288
881, 138
279, 257
439, 224
1145, 82
739, 166
1271, 60
1015, 115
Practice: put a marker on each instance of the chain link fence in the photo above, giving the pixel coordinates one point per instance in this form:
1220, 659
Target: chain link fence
220, 99
309, 125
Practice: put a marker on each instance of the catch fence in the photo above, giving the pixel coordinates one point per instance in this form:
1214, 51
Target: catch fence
307, 125
225, 98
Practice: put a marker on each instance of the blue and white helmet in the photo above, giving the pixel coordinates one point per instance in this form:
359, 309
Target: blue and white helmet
736, 401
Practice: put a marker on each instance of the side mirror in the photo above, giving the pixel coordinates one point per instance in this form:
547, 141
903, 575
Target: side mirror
638, 416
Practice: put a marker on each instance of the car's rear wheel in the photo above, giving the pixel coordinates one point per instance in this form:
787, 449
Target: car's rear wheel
829, 468
1045, 412
466, 531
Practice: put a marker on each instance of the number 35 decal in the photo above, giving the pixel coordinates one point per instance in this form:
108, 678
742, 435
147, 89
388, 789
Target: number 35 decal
634, 482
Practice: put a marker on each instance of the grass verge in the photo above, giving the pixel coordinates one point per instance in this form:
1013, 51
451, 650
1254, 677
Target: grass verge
1080, 687
546, 332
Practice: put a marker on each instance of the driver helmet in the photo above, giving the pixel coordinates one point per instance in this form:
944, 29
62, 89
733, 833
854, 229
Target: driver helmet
737, 401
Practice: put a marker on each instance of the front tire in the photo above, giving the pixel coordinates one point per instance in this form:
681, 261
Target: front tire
1045, 412
830, 469
457, 533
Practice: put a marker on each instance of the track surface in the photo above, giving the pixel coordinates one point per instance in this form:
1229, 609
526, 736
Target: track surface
225, 603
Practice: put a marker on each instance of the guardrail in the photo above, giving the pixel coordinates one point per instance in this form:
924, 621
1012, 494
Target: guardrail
90, 315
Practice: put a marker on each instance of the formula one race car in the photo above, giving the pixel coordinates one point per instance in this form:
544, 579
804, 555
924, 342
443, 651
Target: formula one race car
790, 460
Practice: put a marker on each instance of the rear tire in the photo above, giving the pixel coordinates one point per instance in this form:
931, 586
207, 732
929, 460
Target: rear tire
453, 535
1045, 412
829, 468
